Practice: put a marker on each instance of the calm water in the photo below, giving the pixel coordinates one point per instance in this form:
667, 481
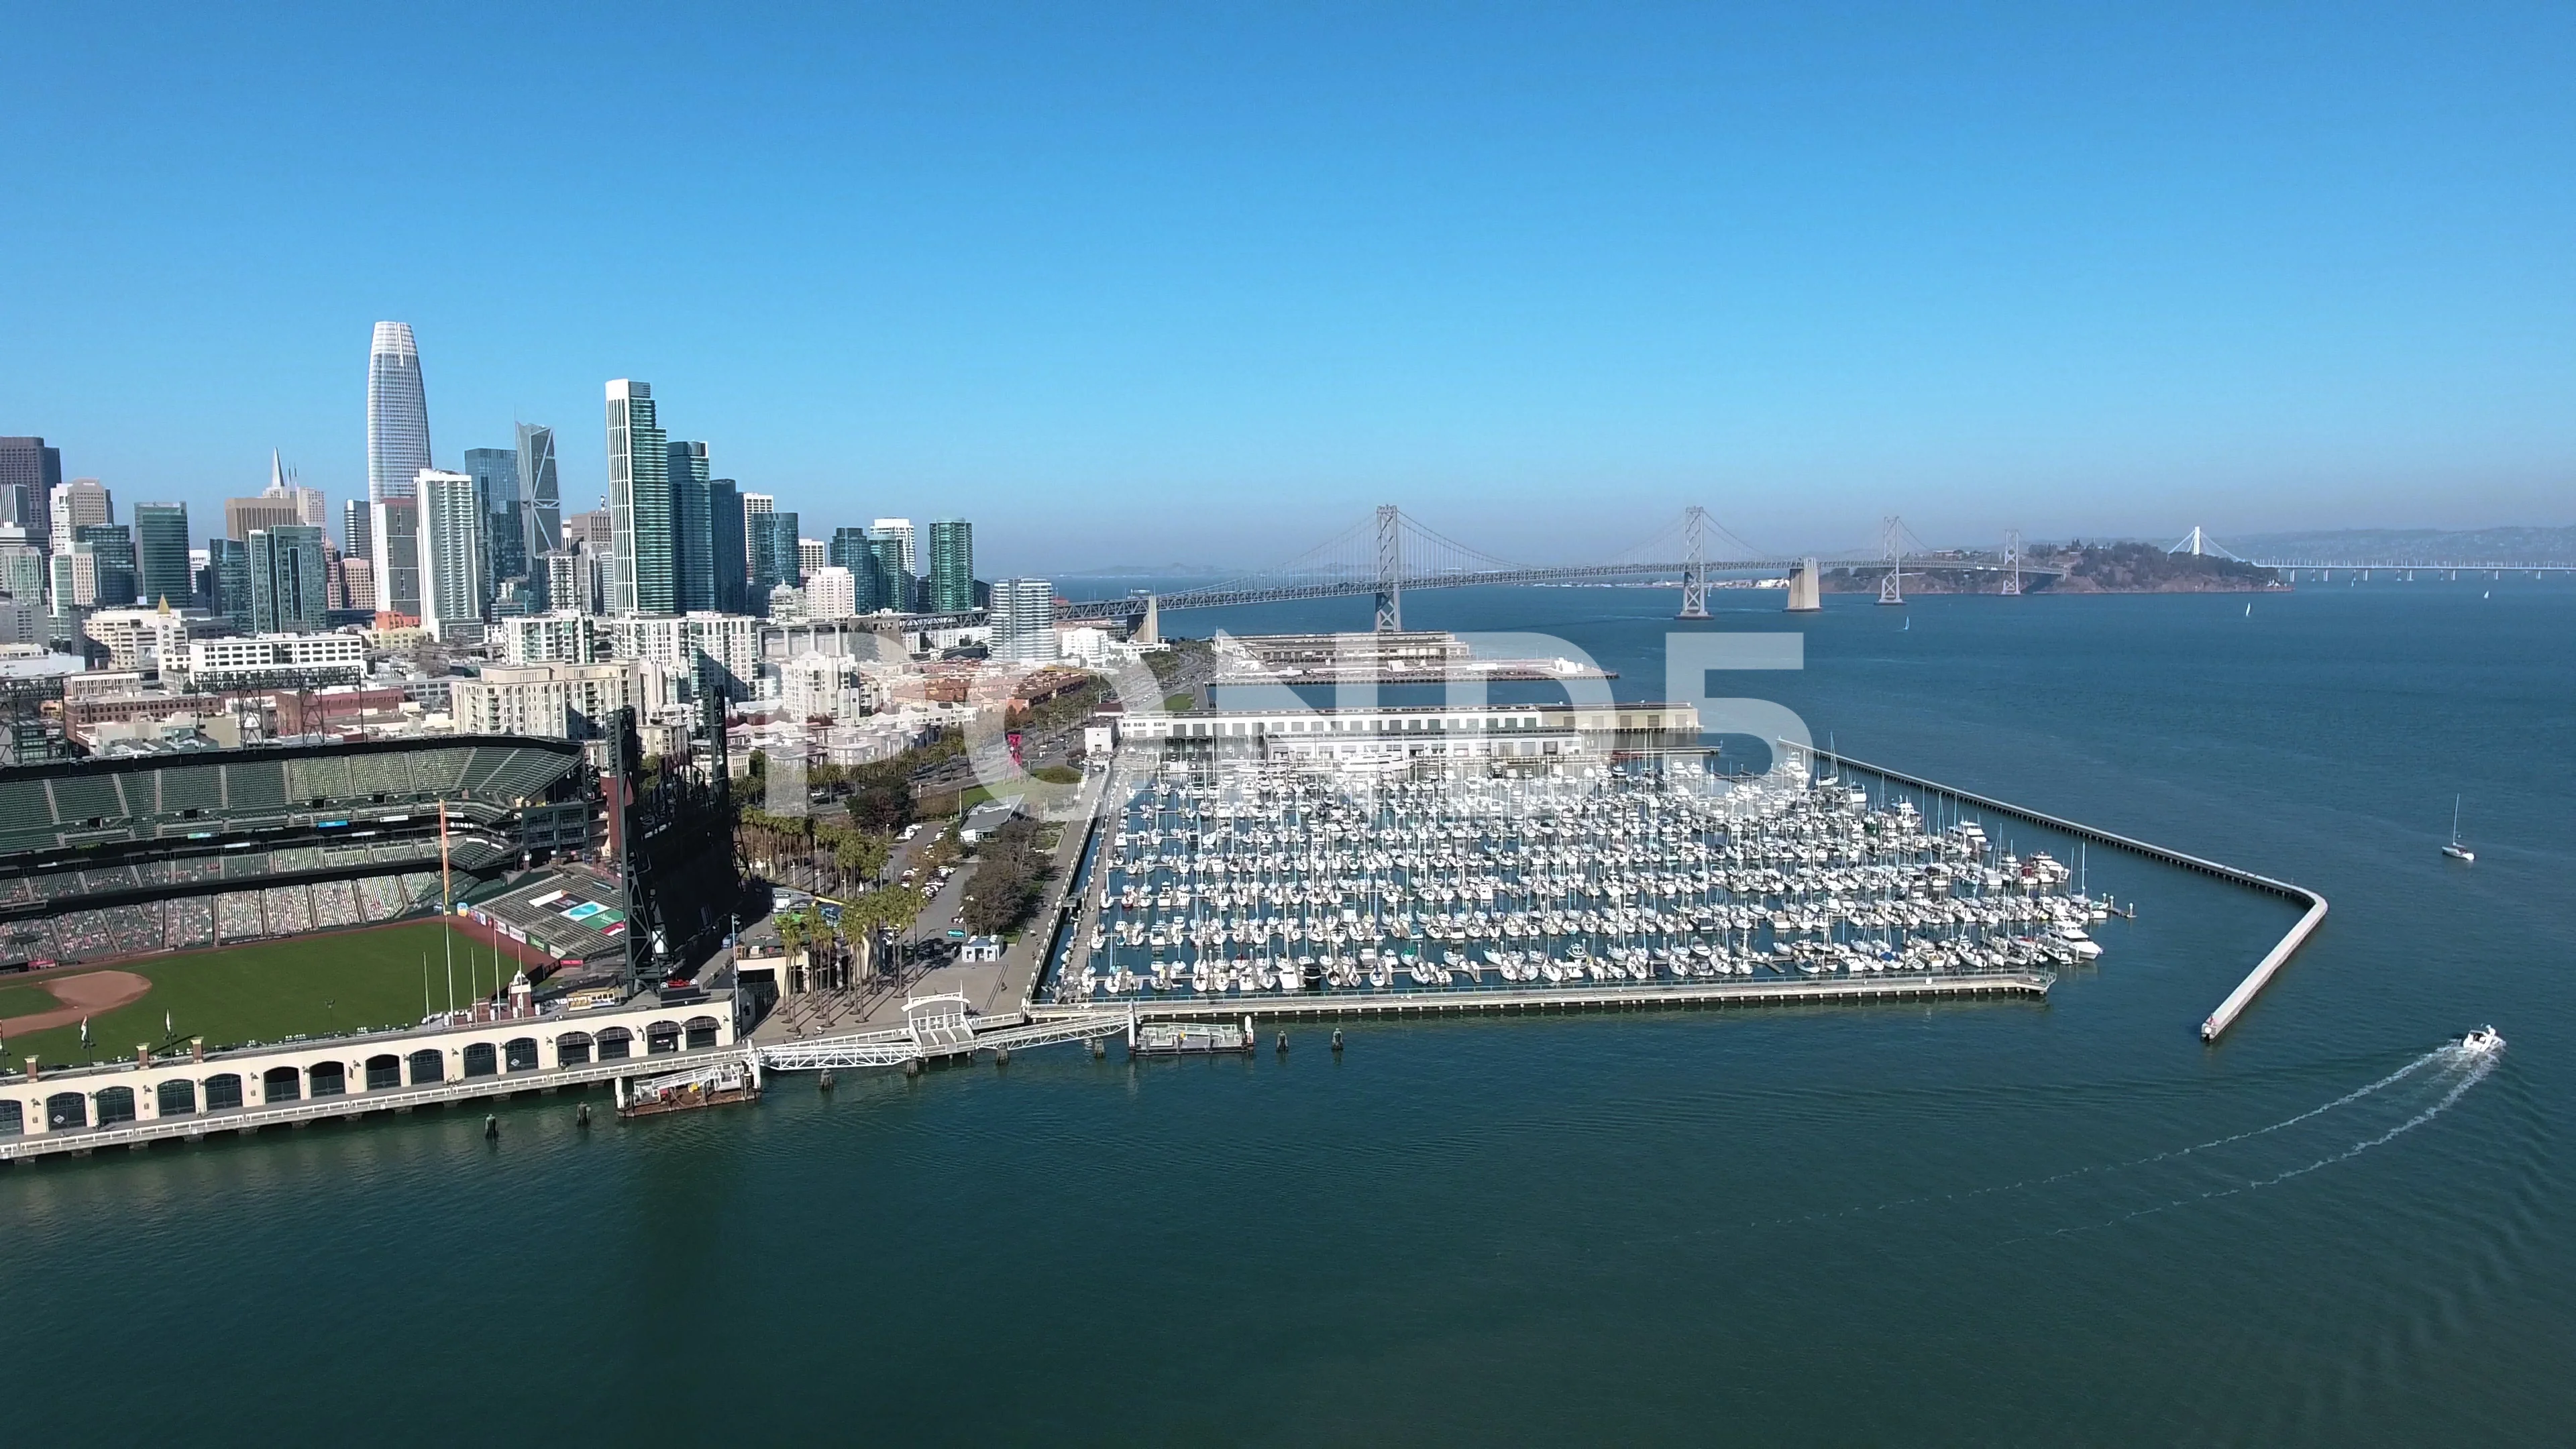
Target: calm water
1854, 1225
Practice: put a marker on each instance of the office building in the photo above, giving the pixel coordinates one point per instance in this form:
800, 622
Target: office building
309, 507
393, 526
728, 552
454, 586
589, 529
138, 638
83, 502
22, 564
810, 555
900, 530
29, 474
242, 516
952, 566
161, 553
397, 414
774, 556
1023, 618
113, 548
272, 661
288, 592
540, 490
641, 578
849, 548
755, 503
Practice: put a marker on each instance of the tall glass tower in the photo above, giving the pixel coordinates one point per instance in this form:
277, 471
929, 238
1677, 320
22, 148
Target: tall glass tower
640, 574
161, 553
952, 566
538, 485
692, 525
286, 583
397, 414
729, 550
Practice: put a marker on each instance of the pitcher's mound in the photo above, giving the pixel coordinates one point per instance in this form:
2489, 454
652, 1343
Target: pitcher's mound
87, 994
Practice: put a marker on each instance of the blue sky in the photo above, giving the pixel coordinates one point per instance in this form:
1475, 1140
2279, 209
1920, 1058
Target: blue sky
1204, 282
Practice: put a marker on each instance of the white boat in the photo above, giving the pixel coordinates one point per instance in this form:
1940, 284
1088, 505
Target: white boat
2455, 850
2481, 1042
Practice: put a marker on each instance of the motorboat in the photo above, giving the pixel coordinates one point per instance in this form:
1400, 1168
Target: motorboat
2484, 1041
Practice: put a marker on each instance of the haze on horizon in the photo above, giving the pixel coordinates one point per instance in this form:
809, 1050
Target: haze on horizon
1130, 285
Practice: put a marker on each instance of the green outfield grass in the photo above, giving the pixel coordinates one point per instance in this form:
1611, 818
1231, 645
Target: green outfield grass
269, 991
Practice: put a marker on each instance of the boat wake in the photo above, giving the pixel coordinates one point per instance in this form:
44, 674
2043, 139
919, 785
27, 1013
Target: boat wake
2462, 1069
2448, 1052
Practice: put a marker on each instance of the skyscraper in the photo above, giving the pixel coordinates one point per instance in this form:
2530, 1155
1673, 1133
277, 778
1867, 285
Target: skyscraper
692, 520
499, 496
755, 503
810, 556
287, 593
538, 485
241, 515
952, 566
454, 584
397, 414
161, 554
1023, 616
394, 530
113, 548
29, 474
229, 561
774, 557
309, 508
74, 504
729, 551
356, 534
640, 577
900, 530
887, 585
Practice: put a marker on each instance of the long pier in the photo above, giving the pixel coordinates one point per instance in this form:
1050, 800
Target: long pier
2218, 1021
1437, 1001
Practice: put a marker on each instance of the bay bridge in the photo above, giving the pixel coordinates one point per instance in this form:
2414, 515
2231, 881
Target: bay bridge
1392, 553
2289, 568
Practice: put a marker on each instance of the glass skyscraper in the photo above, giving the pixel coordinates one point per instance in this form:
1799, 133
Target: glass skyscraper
230, 563
774, 559
161, 554
640, 575
397, 414
287, 587
113, 549
848, 548
497, 494
888, 584
692, 527
952, 566
729, 552
29, 474
538, 486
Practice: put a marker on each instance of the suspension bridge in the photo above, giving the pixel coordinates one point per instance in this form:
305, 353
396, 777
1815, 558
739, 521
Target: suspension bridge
1392, 553
2199, 542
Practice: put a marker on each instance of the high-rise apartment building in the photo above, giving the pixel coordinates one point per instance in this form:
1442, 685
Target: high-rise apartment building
29, 474
393, 527
288, 592
498, 495
900, 530
755, 503
810, 555
161, 554
952, 566
641, 578
543, 492
692, 527
728, 552
1023, 616
357, 530
830, 593
568, 583
454, 587
397, 414
229, 561
774, 556
887, 585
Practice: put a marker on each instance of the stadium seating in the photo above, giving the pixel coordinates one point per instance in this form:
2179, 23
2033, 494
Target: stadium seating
191, 922
237, 916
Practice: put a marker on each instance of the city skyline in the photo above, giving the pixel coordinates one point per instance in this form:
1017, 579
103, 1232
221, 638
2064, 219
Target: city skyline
2097, 275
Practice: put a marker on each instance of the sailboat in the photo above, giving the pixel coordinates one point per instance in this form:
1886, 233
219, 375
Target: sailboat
2455, 850
2249, 611
1909, 624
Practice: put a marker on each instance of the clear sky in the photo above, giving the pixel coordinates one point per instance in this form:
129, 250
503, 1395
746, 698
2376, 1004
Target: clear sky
1202, 282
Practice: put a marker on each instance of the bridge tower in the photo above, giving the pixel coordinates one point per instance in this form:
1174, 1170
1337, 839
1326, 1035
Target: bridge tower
1694, 563
1891, 585
1390, 569
2012, 563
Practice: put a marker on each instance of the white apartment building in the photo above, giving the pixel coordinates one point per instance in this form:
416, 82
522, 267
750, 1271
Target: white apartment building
831, 593
452, 567
1023, 620
676, 642
826, 686
558, 701
272, 660
811, 554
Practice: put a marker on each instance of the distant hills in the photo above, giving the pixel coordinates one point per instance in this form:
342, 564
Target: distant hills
2362, 545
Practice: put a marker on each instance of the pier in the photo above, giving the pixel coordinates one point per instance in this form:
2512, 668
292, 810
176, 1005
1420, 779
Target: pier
2217, 1022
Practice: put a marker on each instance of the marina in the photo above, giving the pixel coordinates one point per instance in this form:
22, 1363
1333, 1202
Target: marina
1273, 886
